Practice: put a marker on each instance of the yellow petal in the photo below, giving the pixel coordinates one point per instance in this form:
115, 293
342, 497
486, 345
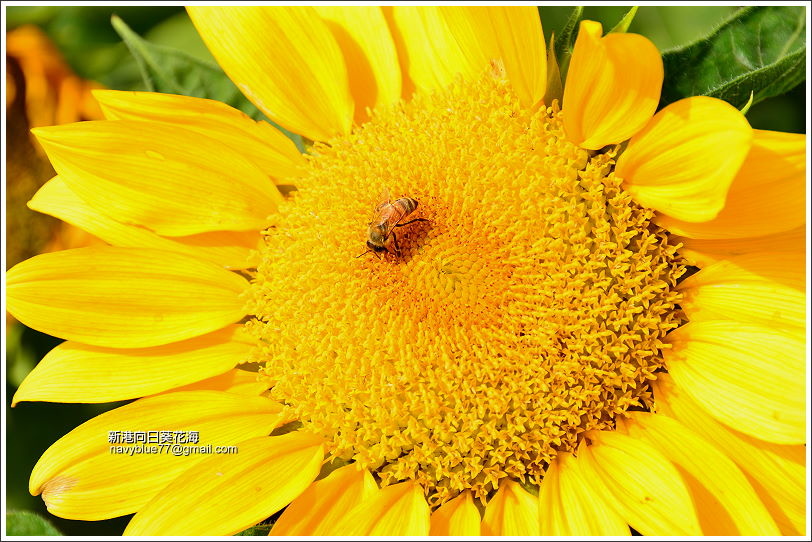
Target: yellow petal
441, 43
78, 373
552, 519
407, 85
80, 476
433, 55
325, 502
748, 377
233, 381
649, 493
767, 196
715, 481
372, 61
569, 505
273, 152
776, 472
512, 511
457, 517
704, 252
396, 510
232, 250
225, 494
286, 61
171, 180
674, 165
511, 35
587, 512
765, 288
123, 297
612, 87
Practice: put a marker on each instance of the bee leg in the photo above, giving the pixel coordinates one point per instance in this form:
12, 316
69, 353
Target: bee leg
395, 241
415, 220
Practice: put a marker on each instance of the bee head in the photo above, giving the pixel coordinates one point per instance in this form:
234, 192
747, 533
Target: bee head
377, 236
375, 248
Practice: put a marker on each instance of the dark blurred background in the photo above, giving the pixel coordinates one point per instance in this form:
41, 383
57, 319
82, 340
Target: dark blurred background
86, 52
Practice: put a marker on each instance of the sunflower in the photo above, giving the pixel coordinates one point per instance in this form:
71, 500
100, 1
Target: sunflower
596, 326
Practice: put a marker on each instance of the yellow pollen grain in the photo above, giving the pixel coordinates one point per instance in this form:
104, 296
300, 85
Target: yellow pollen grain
529, 308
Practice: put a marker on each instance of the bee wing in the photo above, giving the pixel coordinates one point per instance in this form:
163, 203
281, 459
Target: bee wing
383, 200
380, 207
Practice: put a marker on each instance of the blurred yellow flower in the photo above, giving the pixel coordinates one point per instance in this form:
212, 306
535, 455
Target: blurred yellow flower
527, 360
51, 92
41, 90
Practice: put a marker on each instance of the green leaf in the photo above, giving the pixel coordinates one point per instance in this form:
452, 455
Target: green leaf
625, 22
173, 71
566, 40
257, 530
758, 49
23, 523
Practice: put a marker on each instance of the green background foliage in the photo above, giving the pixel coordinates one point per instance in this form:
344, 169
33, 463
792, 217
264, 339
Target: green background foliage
26, 523
717, 50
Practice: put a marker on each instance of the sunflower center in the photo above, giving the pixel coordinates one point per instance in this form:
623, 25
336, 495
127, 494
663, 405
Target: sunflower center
528, 308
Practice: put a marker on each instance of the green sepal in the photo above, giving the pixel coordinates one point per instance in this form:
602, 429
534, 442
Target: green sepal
625, 22
555, 88
566, 40
746, 107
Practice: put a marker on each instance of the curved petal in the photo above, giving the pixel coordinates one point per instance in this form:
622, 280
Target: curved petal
123, 297
457, 517
325, 502
263, 476
233, 381
552, 516
433, 53
777, 472
230, 249
765, 288
372, 60
440, 43
173, 181
85, 476
267, 147
512, 511
78, 373
571, 506
286, 61
704, 252
510, 35
674, 165
767, 196
649, 493
714, 480
612, 88
748, 377
396, 510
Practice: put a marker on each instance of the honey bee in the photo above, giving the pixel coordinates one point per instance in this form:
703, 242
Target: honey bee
388, 216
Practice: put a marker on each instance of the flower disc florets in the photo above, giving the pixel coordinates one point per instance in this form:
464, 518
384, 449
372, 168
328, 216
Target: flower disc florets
528, 309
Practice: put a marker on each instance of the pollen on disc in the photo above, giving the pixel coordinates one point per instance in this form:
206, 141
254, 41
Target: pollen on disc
528, 307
